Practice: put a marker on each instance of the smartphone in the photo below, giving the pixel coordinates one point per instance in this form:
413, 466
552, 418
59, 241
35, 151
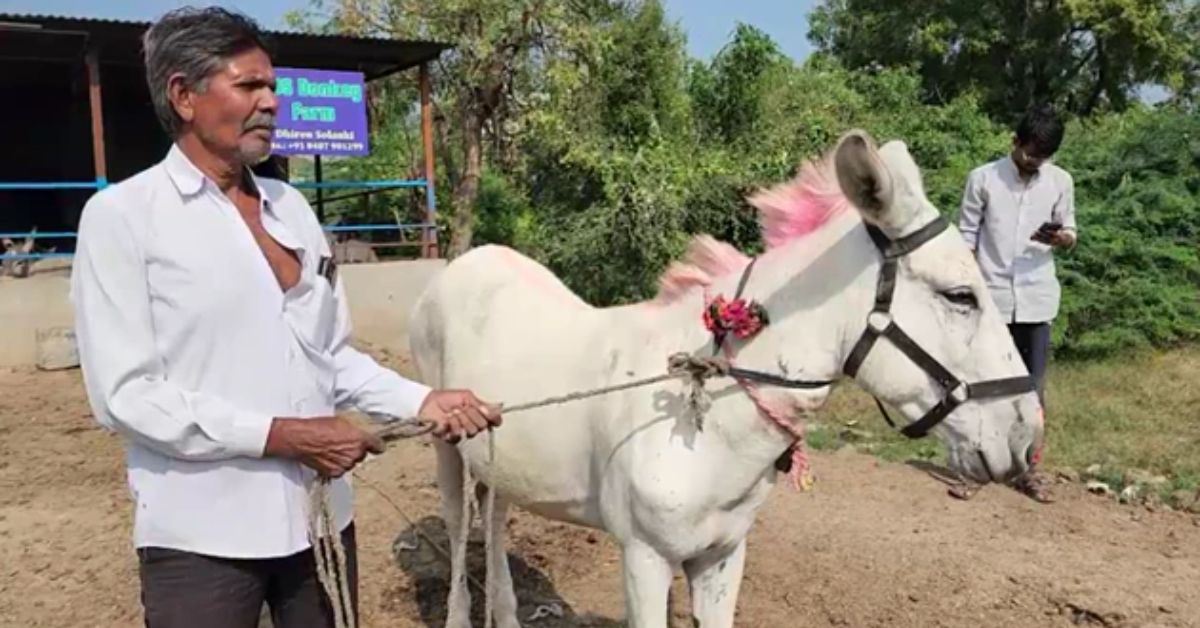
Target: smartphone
1050, 227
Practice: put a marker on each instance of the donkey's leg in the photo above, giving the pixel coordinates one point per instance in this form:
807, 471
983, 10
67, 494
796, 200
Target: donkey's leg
504, 597
647, 584
714, 580
450, 484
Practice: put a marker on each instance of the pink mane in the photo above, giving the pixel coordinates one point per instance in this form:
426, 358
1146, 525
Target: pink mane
707, 258
799, 207
787, 212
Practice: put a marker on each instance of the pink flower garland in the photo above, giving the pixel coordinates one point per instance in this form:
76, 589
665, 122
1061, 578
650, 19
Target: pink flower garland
744, 320
737, 316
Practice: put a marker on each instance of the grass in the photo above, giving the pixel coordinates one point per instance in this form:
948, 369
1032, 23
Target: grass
1134, 417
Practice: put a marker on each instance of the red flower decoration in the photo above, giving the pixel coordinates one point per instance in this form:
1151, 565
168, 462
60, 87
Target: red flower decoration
738, 317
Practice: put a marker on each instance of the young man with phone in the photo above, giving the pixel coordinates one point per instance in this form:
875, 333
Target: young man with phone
1016, 212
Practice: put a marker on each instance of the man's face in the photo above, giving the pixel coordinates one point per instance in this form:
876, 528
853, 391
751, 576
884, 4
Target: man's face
1027, 157
235, 113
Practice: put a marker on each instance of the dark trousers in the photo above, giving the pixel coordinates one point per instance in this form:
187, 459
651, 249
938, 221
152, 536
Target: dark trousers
1033, 343
185, 590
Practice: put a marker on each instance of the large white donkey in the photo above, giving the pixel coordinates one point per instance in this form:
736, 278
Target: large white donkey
675, 492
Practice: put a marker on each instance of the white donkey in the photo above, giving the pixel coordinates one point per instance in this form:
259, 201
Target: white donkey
675, 492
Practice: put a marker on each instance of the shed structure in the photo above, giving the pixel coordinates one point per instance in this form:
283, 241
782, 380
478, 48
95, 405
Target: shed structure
76, 115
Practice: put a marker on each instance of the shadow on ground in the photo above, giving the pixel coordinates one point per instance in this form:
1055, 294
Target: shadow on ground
938, 472
430, 573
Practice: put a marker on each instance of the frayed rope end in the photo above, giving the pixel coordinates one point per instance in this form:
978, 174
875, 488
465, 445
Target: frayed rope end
800, 474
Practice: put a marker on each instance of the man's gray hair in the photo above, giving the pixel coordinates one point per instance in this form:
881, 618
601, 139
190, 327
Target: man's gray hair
195, 43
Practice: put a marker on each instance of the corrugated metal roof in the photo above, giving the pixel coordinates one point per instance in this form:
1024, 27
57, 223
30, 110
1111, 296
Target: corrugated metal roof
119, 42
34, 17
49, 17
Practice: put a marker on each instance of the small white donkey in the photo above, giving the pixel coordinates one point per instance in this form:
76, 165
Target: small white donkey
888, 294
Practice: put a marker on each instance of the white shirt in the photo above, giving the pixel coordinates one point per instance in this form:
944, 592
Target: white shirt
1000, 213
189, 348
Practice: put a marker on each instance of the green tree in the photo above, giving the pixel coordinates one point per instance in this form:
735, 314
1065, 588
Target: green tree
642, 74
628, 201
731, 95
498, 45
608, 156
1188, 93
1082, 55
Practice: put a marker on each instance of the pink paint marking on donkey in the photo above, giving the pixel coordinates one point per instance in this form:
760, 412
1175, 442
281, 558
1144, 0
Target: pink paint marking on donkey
707, 258
538, 276
787, 213
801, 206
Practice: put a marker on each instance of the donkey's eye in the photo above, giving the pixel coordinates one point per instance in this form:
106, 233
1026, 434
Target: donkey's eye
964, 297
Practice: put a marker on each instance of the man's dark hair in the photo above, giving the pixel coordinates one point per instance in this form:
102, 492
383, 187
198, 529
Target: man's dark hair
1041, 129
196, 43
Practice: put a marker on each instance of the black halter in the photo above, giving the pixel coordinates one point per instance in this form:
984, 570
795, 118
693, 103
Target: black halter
881, 324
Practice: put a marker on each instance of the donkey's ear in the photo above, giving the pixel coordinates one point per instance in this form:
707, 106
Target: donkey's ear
862, 175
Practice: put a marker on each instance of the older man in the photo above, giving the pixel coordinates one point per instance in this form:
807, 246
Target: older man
214, 336
1016, 211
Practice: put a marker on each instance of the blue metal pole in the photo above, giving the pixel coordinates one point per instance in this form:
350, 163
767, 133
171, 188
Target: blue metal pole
41, 234
54, 185
33, 255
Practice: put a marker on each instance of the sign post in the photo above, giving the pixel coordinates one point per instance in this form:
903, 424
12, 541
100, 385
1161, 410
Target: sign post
321, 112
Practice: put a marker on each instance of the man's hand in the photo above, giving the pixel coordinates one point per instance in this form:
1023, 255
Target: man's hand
1058, 239
455, 413
330, 445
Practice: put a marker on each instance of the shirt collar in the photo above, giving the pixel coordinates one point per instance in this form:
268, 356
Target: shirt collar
189, 179
184, 174
1011, 166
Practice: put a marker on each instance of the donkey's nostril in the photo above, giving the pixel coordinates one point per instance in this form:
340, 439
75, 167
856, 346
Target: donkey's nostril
1021, 463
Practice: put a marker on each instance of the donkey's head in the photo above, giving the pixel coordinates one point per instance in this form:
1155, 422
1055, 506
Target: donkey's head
933, 345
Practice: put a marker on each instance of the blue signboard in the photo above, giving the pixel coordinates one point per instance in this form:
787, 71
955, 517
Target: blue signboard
321, 112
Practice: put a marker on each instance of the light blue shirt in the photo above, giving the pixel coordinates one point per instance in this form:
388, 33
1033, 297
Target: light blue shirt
1000, 212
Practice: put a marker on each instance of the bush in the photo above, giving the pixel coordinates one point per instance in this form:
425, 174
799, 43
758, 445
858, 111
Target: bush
629, 205
1134, 278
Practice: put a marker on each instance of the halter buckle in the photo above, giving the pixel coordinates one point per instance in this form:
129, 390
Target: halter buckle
879, 321
961, 393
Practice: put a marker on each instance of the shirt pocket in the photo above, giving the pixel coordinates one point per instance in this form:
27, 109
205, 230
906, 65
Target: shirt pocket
312, 314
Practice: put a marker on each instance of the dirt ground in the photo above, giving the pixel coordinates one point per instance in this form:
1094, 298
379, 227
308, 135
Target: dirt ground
875, 544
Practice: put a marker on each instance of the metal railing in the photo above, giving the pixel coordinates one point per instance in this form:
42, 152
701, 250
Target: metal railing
54, 185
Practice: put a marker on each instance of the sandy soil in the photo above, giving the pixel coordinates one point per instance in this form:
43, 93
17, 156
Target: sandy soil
875, 544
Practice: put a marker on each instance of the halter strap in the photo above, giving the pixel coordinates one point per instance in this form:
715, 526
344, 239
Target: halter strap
880, 324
